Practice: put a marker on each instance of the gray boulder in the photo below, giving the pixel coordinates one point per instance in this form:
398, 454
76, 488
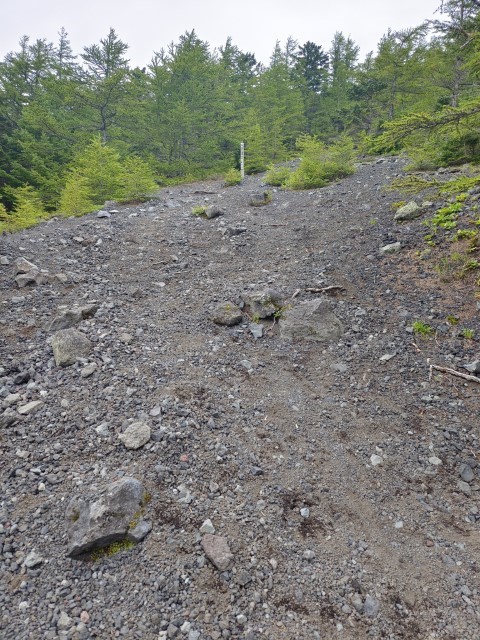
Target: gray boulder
312, 320
394, 247
71, 317
260, 199
24, 279
227, 314
68, 345
93, 522
409, 211
22, 265
213, 212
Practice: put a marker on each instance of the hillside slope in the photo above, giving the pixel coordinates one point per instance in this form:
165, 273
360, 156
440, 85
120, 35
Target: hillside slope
271, 438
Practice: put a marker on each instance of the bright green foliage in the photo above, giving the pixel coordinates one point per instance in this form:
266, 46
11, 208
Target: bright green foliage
137, 179
100, 165
98, 174
233, 177
421, 328
321, 164
187, 111
465, 233
468, 334
277, 175
445, 217
28, 209
199, 211
76, 198
257, 152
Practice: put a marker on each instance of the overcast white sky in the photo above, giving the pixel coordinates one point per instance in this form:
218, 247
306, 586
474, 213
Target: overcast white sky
254, 25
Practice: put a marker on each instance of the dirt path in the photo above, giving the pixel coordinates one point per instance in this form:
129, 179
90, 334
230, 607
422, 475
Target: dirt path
269, 438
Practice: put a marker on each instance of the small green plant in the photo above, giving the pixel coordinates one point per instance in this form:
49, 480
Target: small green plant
459, 185
112, 549
468, 334
470, 265
138, 179
422, 329
450, 266
453, 320
281, 310
232, 177
199, 211
461, 234
277, 176
413, 184
444, 218
397, 205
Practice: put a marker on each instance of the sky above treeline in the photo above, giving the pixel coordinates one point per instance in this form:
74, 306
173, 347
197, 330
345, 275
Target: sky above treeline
254, 25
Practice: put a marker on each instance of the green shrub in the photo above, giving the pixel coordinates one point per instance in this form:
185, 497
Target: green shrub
277, 176
137, 179
76, 197
232, 177
321, 164
98, 174
28, 209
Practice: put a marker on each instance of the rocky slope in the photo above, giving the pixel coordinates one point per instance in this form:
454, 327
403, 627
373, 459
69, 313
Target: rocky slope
322, 486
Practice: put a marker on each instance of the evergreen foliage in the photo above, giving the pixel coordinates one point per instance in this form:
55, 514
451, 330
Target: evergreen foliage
185, 114
27, 210
320, 164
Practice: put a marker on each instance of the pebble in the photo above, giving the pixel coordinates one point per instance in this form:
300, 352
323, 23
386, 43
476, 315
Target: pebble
464, 487
256, 330
207, 527
88, 370
371, 607
31, 407
217, 551
467, 473
33, 559
375, 460
64, 621
136, 435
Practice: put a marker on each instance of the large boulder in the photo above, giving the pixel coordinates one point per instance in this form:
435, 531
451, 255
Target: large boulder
409, 211
68, 345
312, 320
70, 317
115, 514
22, 265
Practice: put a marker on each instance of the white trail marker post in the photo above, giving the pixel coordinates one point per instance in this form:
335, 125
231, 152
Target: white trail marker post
242, 159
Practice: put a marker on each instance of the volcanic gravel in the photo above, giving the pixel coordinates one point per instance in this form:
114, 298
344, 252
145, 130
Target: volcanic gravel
343, 475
